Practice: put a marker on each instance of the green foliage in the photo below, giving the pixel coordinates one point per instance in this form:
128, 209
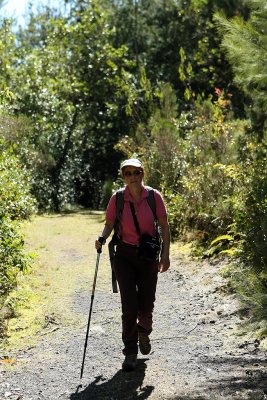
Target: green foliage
15, 133
106, 193
12, 258
84, 90
15, 205
251, 289
253, 221
7, 54
245, 42
177, 42
176, 207
193, 159
79, 91
224, 244
246, 46
7, 51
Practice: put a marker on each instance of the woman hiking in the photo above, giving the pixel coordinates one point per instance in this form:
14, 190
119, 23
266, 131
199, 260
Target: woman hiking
136, 262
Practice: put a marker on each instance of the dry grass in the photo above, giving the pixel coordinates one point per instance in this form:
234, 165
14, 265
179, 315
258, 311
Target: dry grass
64, 263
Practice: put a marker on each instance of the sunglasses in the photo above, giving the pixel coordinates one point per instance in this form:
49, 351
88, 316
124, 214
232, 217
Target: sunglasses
136, 172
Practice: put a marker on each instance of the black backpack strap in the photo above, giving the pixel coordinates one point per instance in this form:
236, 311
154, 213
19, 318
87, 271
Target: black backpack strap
136, 223
151, 201
119, 202
119, 209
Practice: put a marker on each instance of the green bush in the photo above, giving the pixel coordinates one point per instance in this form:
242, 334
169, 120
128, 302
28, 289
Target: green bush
16, 204
12, 258
106, 193
193, 159
253, 220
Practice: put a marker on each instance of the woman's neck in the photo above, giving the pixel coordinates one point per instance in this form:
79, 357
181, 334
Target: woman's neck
135, 192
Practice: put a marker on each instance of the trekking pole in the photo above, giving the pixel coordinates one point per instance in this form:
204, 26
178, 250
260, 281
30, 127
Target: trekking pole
99, 251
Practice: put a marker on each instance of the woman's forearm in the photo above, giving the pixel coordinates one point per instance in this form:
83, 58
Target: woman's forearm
166, 238
107, 229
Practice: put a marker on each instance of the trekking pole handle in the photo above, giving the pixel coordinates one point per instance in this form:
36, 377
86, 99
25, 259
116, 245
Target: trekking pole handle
102, 240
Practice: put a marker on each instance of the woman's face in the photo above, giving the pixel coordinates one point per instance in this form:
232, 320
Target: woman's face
133, 176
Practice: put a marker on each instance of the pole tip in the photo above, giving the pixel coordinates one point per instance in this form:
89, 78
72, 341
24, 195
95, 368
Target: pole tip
79, 387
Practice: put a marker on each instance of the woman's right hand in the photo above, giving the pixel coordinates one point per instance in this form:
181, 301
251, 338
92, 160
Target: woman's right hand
98, 245
100, 242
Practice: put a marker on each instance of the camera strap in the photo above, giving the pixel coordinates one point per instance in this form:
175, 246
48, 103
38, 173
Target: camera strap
136, 223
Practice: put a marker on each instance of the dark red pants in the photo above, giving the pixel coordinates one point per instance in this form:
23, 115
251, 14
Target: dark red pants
137, 279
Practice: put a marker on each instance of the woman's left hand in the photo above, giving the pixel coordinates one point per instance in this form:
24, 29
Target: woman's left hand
164, 263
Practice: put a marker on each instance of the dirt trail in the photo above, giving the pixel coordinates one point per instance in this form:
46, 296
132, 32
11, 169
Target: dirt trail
197, 350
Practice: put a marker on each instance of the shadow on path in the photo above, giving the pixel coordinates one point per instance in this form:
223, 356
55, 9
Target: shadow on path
122, 386
249, 375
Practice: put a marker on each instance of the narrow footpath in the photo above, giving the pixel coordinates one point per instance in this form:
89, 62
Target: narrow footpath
199, 347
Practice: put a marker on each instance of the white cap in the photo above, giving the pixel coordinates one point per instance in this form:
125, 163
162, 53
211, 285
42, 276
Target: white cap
132, 162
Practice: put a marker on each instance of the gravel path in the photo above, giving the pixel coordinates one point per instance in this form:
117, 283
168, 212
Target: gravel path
197, 350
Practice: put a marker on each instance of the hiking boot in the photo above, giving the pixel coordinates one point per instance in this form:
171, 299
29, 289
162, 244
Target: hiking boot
129, 362
144, 344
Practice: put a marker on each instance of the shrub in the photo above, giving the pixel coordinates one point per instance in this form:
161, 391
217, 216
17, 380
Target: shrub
16, 204
193, 159
253, 220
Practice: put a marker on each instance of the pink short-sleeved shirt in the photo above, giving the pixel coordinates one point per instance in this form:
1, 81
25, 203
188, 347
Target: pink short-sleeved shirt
143, 211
